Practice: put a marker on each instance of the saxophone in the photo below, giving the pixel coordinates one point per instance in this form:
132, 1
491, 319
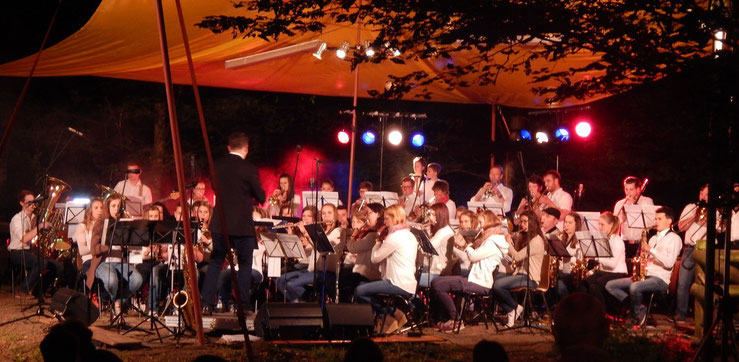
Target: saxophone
639, 269
553, 270
579, 269
181, 300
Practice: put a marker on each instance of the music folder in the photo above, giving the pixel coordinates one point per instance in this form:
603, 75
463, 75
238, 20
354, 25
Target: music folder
493, 206
424, 242
594, 244
386, 198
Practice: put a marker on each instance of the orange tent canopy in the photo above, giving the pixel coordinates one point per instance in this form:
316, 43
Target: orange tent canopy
121, 41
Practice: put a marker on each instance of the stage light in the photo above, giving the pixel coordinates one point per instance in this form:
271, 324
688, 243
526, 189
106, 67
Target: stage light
418, 139
583, 129
343, 137
562, 134
718, 42
320, 50
368, 137
343, 49
395, 137
368, 51
525, 135
541, 137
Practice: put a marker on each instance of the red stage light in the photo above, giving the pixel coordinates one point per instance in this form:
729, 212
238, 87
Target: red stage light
583, 129
343, 137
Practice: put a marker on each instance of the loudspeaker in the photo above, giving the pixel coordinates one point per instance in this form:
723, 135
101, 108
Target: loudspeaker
289, 321
348, 321
68, 304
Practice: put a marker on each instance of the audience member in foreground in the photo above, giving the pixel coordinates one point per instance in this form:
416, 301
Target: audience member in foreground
580, 327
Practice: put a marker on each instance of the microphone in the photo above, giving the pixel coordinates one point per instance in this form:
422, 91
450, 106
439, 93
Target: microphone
317, 160
38, 199
311, 183
70, 129
136, 171
188, 186
299, 148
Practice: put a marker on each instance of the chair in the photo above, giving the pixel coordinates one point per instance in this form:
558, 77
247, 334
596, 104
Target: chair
472, 298
541, 289
406, 305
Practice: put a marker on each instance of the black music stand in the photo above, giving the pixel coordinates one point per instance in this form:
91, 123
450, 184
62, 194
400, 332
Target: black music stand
427, 249
321, 245
640, 216
386, 198
283, 246
125, 234
594, 244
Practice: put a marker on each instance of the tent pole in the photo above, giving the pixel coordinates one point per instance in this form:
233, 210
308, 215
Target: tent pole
18, 104
354, 122
177, 153
211, 167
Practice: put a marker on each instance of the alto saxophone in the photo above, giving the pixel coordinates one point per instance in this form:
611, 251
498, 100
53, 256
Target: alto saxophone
639, 271
579, 269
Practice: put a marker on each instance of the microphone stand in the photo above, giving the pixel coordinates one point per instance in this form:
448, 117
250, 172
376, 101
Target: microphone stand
291, 196
315, 248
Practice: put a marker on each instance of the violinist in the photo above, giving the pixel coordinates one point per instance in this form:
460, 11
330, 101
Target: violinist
365, 225
535, 200
485, 253
467, 220
609, 268
441, 232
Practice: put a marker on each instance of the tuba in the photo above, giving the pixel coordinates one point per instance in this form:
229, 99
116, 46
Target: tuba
48, 241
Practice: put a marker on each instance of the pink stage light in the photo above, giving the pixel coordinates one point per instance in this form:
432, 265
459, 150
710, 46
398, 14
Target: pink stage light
583, 129
343, 137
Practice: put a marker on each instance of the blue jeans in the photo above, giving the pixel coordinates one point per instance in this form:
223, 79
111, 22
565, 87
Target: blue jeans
293, 284
225, 286
426, 279
26, 259
365, 292
502, 289
244, 247
563, 285
109, 273
158, 274
619, 287
685, 279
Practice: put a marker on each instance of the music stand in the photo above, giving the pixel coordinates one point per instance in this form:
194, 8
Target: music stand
323, 198
386, 198
594, 244
493, 206
321, 245
640, 216
74, 213
283, 246
427, 249
590, 219
454, 223
124, 234
557, 248
133, 206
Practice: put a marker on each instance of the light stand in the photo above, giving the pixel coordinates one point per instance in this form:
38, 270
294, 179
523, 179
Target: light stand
295, 174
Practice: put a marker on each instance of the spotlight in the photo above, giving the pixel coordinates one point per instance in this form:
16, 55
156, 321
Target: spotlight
395, 137
368, 137
418, 139
395, 52
368, 51
562, 134
541, 137
343, 137
320, 50
343, 49
583, 129
525, 135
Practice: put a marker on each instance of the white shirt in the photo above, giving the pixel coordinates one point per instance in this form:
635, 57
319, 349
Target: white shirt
19, 225
258, 258
563, 200
440, 242
485, 259
334, 237
399, 253
452, 207
507, 198
83, 238
617, 263
735, 226
627, 233
137, 192
695, 231
665, 248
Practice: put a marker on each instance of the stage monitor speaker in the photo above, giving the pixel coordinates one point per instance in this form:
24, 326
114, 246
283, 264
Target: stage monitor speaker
289, 321
349, 321
68, 304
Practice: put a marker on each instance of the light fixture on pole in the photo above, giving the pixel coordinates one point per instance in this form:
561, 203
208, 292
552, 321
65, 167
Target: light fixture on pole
368, 50
342, 50
320, 50
312, 46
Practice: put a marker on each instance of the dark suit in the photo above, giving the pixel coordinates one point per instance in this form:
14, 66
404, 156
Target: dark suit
238, 184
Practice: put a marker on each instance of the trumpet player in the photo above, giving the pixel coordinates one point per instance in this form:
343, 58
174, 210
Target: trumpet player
561, 199
495, 191
693, 223
535, 201
662, 251
284, 195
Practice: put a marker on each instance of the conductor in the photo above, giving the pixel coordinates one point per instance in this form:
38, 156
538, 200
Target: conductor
238, 184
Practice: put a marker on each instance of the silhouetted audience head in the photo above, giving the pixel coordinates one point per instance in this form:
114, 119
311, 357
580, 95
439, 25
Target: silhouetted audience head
580, 327
209, 358
363, 350
489, 351
72, 341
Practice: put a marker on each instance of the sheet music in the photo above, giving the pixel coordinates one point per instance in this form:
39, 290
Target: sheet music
594, 244
274, 267
634, 215
386, 198
590, 219
324, 197
494, 206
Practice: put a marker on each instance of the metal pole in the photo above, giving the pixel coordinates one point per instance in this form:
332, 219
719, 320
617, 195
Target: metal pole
354, 123
180, 171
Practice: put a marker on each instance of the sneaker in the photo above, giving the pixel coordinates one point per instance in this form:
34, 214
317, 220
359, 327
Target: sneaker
400, 317
511, 318
391, 325
447, 326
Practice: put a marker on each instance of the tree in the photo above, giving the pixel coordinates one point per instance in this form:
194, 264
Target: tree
638, 40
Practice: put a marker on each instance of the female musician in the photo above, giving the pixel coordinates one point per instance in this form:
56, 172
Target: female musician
467, 220
485, 253
535, 200
440, 232
398, 251
608, 268
307, 217
281, 196
204, 239
360, 243
106, 262
571, 224
83, 233
530, 259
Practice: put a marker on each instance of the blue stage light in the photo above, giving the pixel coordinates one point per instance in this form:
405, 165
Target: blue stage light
525, 135
562, 134
418, 140
368, 137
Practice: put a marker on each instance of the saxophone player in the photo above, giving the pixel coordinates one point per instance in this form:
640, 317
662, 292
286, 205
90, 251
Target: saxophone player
609, 268
662, 250
568, 266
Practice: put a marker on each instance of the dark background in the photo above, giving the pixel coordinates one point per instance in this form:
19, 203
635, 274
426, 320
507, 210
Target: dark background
660, 131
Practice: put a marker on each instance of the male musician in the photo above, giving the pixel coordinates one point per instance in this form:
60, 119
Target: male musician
432, 176
694, 226
238, 184
327, 185
633, 191
342, 215
135, 191
419, 180
549, 218
662, 251
561, 198
407, 197
364, 186
495, 190
441, 196
22, 231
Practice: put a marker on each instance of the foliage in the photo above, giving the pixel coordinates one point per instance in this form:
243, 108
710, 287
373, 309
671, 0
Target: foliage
627, 344
638, 40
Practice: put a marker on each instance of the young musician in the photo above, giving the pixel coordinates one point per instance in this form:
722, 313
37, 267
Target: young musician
83, 232
148, 257
662, 251
106, 262
693, 223
495, 191
281, 196
440, 232
407, 196
398, 252
561, 199
422, 187
467, 220
530, 258
485, 254
365, 225
549, 219
572, 223
135, 190
633, 190
342, 216
609, 268
535, 200
432, 176
364, 186
23, 230
441, 195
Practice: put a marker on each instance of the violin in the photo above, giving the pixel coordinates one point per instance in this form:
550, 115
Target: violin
382, 232
361, 232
